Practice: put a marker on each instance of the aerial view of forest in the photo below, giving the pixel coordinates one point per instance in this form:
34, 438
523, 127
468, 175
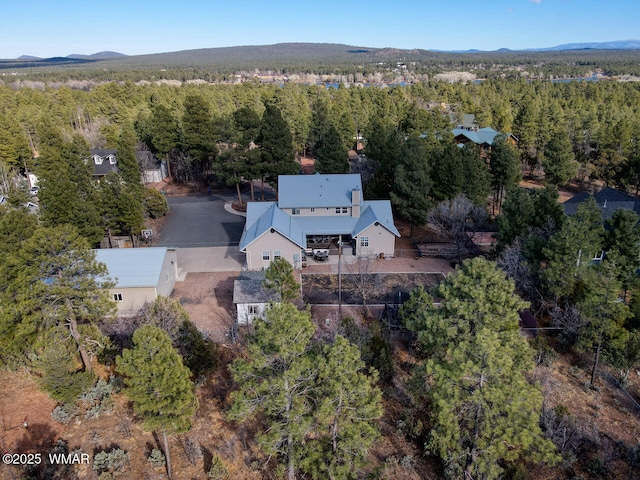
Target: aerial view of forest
336, 241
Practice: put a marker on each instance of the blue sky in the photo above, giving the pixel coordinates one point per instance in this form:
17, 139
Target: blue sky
48, 28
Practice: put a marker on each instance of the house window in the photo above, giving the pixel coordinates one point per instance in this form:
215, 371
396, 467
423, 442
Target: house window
312, 210
337, 209
253, 309
112, 160
276, 254
266, 256
117, 297
345, 209
295, 211
364, 241
98, 160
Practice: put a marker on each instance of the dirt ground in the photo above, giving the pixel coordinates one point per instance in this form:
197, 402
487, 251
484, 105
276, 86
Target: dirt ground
208, 298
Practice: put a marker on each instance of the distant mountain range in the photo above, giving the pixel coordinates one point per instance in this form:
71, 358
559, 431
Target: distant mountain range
75, 56
324, 48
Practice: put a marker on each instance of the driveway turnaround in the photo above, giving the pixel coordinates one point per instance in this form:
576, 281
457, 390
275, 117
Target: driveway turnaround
200, 221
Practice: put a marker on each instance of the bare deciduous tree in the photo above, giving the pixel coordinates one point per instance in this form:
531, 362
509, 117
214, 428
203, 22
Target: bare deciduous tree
458, 218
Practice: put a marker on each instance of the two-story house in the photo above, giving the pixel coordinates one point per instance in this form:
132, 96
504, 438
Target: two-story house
104, 161
316, 213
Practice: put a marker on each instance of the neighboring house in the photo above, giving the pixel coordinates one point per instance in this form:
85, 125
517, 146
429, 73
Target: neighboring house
141, 275
316, 213
153, 170
608, 200
483, 137
250, 297
104, 161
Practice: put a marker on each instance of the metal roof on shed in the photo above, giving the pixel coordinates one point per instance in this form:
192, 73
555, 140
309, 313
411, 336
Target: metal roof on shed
133, 267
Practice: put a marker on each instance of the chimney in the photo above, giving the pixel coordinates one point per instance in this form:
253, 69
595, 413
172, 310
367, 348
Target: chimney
356, 199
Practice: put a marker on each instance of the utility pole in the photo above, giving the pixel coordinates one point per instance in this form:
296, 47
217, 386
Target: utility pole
339, 278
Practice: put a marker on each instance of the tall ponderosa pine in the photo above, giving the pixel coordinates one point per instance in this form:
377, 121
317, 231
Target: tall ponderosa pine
571, 250
504, 167
412, 184
52, 280
332, 156
320, 404
345, 416
278, 381
198, 134
67, 194
559, 164
276, 145
158, 384
484, 411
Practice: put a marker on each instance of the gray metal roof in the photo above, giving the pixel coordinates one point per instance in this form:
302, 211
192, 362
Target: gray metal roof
249, 289
608, 199
133, 267
263, 216
305, 191
479, 137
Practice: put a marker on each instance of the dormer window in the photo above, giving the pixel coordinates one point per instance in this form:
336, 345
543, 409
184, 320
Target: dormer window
97, 159
112, 159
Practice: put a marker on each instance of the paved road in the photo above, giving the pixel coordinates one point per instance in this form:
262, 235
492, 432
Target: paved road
200, 221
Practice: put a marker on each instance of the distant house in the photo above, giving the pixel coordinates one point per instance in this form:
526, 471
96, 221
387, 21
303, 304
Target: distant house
483, 137
104, 161
313, 215
153, 170
141, 275
250, 297
608, 199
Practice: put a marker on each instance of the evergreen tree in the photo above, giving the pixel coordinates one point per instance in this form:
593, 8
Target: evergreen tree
158, 384
344, 420
484, 412
277, 381
127, 161
332, 157
622, 242
412, 184
276, 146
559, 164
52, 281
504, 167
279, 278
571, 249
198, 134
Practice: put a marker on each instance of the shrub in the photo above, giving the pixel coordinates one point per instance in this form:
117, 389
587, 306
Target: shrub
218, 470
64, 413
156, 458
155, 204
111, 461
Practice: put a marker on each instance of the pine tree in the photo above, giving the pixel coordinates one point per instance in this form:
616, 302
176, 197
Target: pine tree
412, 184
279, 278
484, 412
332, 157
276, 145
344, 420
277, 381
559, 164
198, 134
571, 249
504, 167
158, 384
52, 281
